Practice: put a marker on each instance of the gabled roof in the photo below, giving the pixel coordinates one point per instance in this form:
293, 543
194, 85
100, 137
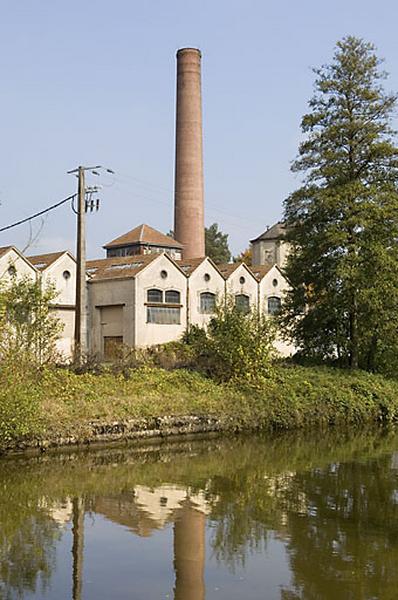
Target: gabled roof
43, 261
189, 265
123, 267
276, 232
260, 271
5, 249
144, 235
227, 269
118, 267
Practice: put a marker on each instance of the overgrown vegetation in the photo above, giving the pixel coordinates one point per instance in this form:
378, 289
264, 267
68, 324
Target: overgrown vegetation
28, 328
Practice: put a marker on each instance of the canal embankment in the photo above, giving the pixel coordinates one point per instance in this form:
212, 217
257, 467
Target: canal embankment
56, 407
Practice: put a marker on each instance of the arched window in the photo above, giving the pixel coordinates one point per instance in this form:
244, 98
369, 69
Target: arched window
207, 303
154, 295
274, 305
242, 303
172, 297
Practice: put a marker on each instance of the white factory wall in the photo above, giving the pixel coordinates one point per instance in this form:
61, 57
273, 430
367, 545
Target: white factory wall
198, 283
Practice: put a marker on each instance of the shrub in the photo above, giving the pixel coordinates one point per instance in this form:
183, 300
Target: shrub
28, 329
236, 346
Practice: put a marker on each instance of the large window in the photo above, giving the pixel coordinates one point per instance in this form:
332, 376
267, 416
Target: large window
242, 303
163, 315
274, 305
154, 296
158, 307
207, 303
172, 297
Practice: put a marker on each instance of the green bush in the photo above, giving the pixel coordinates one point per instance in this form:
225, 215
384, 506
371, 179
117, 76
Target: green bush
20, 406
236, 347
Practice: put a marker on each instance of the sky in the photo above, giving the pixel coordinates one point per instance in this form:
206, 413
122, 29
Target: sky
93, 83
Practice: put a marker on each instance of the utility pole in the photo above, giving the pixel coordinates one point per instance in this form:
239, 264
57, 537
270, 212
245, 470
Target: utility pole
80, 337
81, 291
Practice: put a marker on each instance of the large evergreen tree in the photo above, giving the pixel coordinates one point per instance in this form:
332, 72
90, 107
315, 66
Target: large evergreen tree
216, 243
343, 221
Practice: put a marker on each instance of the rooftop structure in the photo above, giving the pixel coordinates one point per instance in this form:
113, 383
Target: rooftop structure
143, 240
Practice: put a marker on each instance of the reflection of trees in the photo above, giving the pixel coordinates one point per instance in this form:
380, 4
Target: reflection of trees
27, 553
345, 544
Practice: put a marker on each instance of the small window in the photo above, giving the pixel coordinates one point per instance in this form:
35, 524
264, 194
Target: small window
274, 305
275, 282
172, 297
242, 280
163, 315
66, 275
206, 277
155, 296
12, 271
163, 274
242, 303
207, 303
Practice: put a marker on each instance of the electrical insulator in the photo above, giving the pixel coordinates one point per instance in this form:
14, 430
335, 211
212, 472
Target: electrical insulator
91, 205
97, 204
86, 206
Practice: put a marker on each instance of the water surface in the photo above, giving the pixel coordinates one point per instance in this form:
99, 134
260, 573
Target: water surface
285, 517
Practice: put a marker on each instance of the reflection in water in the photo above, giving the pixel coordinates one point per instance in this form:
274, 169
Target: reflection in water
77, 549
189, 553
331, 501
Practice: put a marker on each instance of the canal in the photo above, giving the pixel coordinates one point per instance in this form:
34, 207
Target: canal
292, 516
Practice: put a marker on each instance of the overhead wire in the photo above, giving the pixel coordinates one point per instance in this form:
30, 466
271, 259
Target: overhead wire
38, 214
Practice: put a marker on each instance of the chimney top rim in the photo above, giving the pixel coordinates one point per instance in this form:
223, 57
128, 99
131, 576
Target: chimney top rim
189, 49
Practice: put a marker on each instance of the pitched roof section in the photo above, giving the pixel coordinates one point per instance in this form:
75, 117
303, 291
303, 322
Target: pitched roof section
144, 235
43, 261
120, 267
260, 271
5, 249
276, 232
226, 269
190, 265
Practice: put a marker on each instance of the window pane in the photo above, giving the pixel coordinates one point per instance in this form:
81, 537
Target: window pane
155, 295
207, 302
274, 305
172, 297
163, 315
242, 303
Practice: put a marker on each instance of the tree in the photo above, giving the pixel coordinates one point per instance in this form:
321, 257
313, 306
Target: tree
28, 329
245, 256
343, 221
216, 243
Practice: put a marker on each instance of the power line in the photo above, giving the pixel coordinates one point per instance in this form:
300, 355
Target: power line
38, 214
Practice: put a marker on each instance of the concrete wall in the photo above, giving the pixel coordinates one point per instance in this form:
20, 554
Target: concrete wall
104, 294
148, 334
65, 343
270, 252
62, 274
13, 260
273, 284
198, 283
242, 281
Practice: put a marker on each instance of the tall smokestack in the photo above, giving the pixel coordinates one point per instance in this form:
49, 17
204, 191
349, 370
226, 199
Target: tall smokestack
188, 188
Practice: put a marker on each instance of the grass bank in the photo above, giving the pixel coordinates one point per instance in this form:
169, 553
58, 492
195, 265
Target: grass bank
57, 404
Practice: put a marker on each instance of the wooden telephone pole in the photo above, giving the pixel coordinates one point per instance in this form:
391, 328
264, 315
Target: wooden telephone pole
81, 346
80, 337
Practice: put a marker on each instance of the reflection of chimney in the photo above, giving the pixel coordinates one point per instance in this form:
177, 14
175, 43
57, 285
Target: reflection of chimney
77, 548
189, 554
188, 190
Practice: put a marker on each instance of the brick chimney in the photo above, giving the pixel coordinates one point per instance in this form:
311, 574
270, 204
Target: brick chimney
188, 188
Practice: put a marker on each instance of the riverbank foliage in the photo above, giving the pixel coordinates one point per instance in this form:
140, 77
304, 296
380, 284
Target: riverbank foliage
57, 403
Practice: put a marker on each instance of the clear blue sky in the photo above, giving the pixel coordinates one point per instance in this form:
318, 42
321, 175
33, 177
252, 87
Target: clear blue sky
93, 82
